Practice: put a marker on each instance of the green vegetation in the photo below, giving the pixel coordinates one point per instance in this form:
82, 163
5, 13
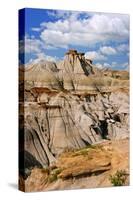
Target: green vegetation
119, 178
53, 176
84, 151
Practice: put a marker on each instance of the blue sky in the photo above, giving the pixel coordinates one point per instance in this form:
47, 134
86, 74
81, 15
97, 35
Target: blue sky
48, 34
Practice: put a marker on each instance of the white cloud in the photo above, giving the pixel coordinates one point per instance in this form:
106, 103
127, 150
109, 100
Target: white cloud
113, 65
125, 66
107, 65
102, 66
94, 55
36, 47
55, 38
84, 32
36, 29
123, 48
64, 14
59, 13
107, 50
42, 56
33, 45
99, 65
30, 45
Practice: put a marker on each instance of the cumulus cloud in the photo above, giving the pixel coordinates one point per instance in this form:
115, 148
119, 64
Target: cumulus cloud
33, 45
42, 56
102, 66
30, 45
122, 48
113, 65
124, 66
59, 13
63, 14
107, 65
107, 50
85, 31
99, 65
95, 55
36, 47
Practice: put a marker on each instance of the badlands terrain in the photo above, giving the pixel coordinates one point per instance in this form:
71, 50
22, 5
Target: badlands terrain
74, 124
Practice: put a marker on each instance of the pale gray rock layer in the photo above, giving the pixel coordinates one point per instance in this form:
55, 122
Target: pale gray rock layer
65, 121
61, 114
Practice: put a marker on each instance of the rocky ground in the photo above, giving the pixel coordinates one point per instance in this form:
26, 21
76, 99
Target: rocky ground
83, 168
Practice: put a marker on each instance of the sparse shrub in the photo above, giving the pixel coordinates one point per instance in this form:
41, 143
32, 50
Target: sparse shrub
52, 178
54, 175
119, 178
83, 152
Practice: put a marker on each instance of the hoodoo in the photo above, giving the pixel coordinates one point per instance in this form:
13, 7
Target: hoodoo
75, 62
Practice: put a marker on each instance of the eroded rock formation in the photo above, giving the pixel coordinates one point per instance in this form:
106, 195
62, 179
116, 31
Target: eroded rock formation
65, 109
